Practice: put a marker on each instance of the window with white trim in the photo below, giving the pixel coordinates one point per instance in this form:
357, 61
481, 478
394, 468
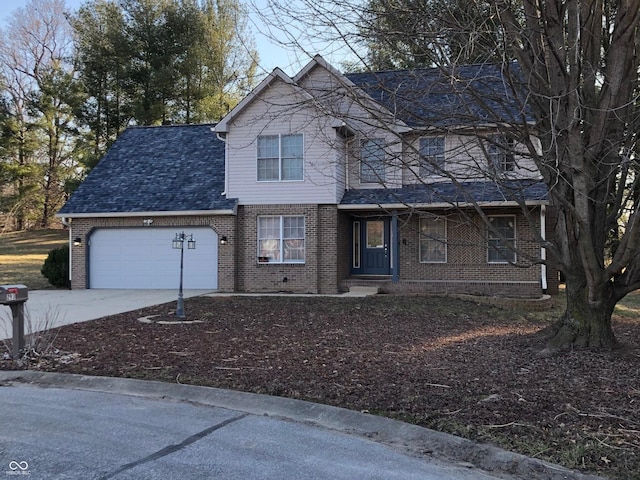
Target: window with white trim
372, 160
433, 240
432, 160
501, 154
501, 239
356, 244
281, 239
280, 157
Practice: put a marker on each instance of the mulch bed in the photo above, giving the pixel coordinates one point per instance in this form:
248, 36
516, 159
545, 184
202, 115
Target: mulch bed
452, 365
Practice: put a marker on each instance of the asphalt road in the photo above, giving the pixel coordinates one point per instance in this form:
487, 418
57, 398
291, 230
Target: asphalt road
55, 426
53, 433
59, 426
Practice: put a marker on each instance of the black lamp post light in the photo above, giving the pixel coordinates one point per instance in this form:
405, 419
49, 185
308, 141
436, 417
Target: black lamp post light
178, 243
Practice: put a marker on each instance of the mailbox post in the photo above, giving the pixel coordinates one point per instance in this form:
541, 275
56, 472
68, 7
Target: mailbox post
15, 296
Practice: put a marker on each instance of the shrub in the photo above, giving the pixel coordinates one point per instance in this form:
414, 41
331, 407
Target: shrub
56, 267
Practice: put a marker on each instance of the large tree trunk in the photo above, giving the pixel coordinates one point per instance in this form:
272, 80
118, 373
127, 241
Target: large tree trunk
586, 323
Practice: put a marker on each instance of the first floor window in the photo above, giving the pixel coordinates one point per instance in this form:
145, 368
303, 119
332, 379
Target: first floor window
502, 239
356, 244
433, 240
280, 157
372, 160
431, 156
281, 238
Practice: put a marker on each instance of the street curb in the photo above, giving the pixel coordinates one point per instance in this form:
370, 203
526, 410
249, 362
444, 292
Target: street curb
420, 441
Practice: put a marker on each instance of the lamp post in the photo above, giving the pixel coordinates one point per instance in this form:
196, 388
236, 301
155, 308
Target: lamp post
178, 243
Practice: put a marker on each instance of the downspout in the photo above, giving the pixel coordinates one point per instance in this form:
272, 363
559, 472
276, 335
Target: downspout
346, 162
67, 223
543, 250
226, 163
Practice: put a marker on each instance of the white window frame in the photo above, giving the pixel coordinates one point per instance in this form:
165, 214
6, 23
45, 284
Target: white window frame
373, 172
356, 244
499, 243
432, 155
279, 159
280, 240
500, 153
432, 242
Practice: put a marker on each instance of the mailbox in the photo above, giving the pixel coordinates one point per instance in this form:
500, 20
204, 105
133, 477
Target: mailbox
10, 294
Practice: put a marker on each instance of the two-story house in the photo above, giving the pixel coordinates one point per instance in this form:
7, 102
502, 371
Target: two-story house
321, 181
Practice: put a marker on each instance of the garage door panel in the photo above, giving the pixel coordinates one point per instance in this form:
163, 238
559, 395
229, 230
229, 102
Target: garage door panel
142, 258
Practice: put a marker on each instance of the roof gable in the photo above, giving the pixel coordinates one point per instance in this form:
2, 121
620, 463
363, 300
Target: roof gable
156, 169
276, 75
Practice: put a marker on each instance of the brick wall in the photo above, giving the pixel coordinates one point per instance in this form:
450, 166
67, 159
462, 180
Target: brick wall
318, 273
222, 225
553, 274
344, 245
467, 251
328, 248
467, 269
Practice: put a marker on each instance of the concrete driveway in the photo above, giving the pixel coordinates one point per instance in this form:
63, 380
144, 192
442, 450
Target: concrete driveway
54, 308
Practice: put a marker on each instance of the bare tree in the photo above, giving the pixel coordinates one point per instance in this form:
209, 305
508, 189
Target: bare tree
567, 95
35, 62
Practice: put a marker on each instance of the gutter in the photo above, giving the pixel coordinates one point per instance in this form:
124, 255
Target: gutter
226, 158
189, 213
378, 206
347, 146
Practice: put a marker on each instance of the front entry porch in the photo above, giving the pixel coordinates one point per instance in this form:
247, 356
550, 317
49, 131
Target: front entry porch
371, 242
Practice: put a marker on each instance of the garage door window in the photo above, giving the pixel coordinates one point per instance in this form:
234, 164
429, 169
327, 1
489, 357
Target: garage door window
281, 239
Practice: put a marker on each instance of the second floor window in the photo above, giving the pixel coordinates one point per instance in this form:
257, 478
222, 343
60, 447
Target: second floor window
372, 160
500, 151
280, 158
431, 156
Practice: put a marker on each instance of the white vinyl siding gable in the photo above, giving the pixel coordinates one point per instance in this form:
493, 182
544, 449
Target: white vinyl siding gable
281, 111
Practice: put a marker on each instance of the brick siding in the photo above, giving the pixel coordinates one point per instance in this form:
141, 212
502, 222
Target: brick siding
327, 264
318, 273
467, 269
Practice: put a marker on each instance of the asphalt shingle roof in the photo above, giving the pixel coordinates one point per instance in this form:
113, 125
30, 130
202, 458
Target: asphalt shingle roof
155, 169
448, 193
468, 95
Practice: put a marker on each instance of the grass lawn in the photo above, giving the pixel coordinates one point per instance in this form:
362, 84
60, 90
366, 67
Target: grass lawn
23, 253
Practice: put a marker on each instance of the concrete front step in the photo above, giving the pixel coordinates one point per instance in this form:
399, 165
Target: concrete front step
360, 291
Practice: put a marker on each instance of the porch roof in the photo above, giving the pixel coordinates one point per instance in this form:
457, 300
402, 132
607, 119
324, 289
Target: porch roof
450, 194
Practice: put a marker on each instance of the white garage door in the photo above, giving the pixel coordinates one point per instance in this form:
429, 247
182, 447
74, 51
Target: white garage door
143, 258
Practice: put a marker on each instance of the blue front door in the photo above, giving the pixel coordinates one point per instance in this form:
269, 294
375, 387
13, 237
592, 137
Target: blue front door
375, 247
